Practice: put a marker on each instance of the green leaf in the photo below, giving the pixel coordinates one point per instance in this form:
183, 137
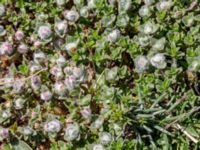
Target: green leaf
20, 145
23, 69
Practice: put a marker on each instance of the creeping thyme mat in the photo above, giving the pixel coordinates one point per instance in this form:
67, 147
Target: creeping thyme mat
99, 74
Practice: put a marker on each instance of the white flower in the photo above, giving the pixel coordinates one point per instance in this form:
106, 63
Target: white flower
57, 72
36, 82
26, 130
86, 112
4, 133
2, 31
53, 126
105, 138
158, 61
114, 35
71, 15
84, 12
159, 44
91, 4
19, 35
2, 10
6, 48
98, 147
18, 86
39, 57
141, 64
194, 64
144, 40
188, 20
148, 28
164, 5
72, 132
61, 28
44, 32
37, 43
144, 11
97, 123
6, 114
19, 103
79, 74
70, 83
149, 2
22, 48
60, 88
71, 47
61, 61
124, 5
46, 96
60, 2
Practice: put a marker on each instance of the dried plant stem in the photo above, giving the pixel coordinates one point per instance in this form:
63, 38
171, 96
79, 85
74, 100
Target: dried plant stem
178, 126
23, 79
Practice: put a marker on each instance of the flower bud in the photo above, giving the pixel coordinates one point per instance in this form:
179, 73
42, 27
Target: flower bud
194, 64
36, 82
188, 20
22, 48
149, 2
60, 88
86, 112
148, 28
4, 133
53, 126
46, 96
159, 44
37, 44
114, 35
71, 15
2, 10
19, 35
70, 83
71, 132
19, 103
6, 114
26, 130
98, 147
18, 86
6, 48
79, 74
97, 123
60, 2
68, 70
164, 5
141, 64
39, 57
144, 11
71, 47
84, 12
61, 28
158, 61
144, 40
105, 138
2, 30
44, 32
35, 67
124, 5
92, 4
57, 72
61, 61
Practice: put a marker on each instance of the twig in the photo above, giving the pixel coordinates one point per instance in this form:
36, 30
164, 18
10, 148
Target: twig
186, 133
